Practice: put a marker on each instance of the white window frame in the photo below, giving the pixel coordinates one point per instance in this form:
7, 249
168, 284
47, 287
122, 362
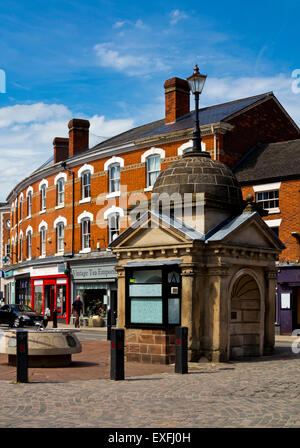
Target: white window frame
60, 238
113, 192
60, 192
61, 220
21, 240
29, 194
84, 197
113, 161
43, 236
268, 188
21, 202
43, 193
148, 172
57, 181
84, 217
144, 159
113, 231
29, 252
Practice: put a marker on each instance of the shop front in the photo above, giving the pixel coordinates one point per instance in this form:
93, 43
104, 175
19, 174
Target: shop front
52, 293
95, 282
288, 299
50, 290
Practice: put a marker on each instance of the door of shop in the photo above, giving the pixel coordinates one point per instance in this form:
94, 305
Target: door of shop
49, 294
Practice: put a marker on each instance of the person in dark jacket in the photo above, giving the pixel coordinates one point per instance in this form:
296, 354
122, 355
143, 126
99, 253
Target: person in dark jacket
76, 310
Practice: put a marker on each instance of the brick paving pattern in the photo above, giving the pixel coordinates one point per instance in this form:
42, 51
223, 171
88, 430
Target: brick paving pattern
252, 393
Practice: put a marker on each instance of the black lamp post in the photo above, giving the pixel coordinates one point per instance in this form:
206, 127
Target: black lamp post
196, 83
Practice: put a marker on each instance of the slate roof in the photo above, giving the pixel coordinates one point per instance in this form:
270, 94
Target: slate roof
268, 162
207, 115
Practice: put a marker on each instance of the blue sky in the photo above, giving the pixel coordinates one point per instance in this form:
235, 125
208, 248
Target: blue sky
107, 61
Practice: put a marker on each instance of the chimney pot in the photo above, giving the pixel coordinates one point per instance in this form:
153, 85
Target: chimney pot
61, 149
177, 99
78, 135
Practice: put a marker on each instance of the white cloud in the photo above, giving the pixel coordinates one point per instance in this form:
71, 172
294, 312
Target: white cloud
27, 133
119, 24
131, 64
176, 16
30, 113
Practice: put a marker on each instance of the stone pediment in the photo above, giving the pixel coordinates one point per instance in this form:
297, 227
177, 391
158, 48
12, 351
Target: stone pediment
251, 231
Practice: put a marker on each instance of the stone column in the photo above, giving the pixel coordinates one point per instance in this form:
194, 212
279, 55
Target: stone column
269, 333
217, 313
121, 295
190, 308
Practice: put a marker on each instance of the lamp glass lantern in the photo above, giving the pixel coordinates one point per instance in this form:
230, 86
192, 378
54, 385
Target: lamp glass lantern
196, 81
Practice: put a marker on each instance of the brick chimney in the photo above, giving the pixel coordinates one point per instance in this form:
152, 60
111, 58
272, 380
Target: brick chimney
177, 99
61, 149
78, 135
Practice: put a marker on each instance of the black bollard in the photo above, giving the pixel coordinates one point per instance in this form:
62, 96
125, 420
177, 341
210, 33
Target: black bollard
22, 356
54, 318
117, 354
181, 351
108, 323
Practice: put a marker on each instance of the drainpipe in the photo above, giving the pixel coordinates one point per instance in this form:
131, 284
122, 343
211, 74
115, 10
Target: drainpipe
64, 165
215, 142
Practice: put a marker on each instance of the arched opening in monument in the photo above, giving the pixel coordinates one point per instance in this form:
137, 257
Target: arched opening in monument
245, 323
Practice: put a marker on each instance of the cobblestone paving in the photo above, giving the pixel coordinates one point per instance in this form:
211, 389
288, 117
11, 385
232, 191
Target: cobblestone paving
263, 393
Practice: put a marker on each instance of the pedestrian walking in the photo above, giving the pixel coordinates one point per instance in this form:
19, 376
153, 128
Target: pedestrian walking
76, 310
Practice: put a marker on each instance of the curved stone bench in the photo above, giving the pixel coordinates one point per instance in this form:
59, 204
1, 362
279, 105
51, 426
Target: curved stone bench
46, 348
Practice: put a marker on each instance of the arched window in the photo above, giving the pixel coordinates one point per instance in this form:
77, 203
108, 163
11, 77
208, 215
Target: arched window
60, 182
153, 169
28, 243
113, 166
85, 220
21, 207
152, 158
86, 185
29, 203
60, 237
114, 178
43, 240
43, 193
43, 230
59, 225
60, 191
113, 226
85, 173
113, 216
21, 246
85, 233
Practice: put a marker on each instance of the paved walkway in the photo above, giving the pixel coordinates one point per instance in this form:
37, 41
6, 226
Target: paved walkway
252, 393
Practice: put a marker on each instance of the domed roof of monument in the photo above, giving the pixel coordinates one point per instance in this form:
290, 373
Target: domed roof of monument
196, 172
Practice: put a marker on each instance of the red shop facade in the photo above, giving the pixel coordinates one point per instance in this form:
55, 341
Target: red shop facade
50, 293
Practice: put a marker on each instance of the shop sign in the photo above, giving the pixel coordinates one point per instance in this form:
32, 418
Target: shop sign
8, 274
94, 272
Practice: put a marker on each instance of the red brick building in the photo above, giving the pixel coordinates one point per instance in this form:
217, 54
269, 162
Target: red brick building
271, 173
64, 215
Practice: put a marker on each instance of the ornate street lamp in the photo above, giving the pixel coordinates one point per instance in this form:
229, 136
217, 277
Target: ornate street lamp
196, 83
